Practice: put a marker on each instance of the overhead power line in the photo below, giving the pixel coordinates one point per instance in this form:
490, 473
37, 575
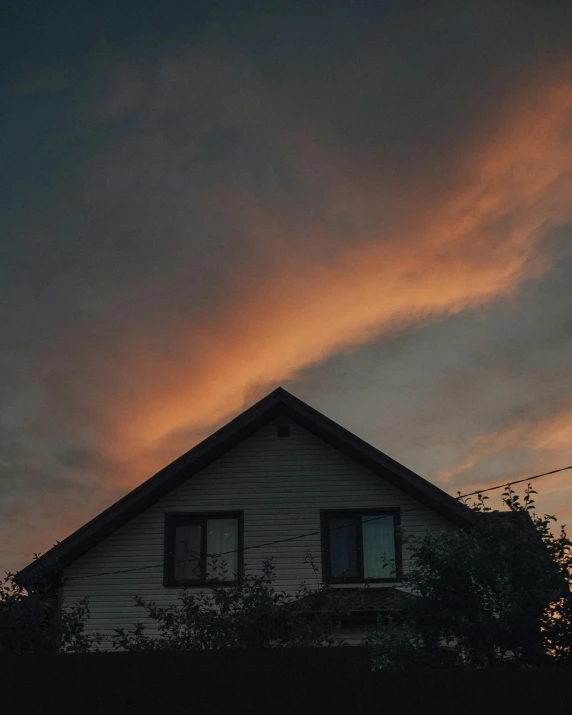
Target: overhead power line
317, 532
517, 481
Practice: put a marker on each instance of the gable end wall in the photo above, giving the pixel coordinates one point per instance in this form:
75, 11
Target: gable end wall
281, 484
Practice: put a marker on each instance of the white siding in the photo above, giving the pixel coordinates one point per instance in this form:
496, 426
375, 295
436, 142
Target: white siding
280, 483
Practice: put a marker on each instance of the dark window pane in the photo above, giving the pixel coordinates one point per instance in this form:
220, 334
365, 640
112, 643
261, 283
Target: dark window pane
378, 546
222, 545
187, 553
343, 548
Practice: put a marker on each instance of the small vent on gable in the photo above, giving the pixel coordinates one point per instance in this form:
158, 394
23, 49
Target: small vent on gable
283, 431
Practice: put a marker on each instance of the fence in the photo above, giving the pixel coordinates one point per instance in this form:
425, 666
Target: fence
332, 681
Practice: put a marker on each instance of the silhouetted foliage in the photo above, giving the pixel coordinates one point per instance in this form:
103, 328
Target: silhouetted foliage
31, 621
496, 594
247, 613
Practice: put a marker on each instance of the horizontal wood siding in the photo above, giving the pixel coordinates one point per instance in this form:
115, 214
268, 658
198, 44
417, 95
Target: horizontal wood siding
281, 484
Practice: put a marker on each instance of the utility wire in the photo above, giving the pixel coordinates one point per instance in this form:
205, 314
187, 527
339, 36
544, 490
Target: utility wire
517, 481
317, 532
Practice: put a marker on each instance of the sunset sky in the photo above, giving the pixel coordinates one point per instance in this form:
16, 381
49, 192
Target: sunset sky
368, 203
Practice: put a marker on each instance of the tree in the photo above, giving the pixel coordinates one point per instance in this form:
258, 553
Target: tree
31, 621
497, 594
247, 613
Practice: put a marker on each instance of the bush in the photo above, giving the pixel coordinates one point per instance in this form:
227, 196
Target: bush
496, 594
31, 621
248, 613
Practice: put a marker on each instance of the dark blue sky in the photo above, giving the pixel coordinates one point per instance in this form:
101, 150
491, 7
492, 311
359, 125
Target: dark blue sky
367, 202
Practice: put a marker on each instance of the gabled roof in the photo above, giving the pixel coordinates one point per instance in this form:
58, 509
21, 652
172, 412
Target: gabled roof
279, 402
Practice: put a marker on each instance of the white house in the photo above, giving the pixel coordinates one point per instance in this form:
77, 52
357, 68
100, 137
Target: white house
279, 480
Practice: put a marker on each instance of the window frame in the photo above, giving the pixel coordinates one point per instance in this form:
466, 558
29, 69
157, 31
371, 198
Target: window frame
357, 514
178, 518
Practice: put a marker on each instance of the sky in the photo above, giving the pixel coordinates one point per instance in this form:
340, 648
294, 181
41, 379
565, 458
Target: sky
368, 203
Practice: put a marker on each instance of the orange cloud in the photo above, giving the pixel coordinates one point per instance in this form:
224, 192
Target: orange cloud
546, 441
551, 433
479, 242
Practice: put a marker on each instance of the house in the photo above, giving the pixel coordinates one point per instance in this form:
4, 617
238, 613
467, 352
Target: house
279, 480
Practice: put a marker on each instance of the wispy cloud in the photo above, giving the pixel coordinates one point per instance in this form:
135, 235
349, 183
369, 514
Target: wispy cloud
480, 241
535, 442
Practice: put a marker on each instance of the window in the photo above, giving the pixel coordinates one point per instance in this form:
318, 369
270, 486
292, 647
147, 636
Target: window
202, 546
361, 546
